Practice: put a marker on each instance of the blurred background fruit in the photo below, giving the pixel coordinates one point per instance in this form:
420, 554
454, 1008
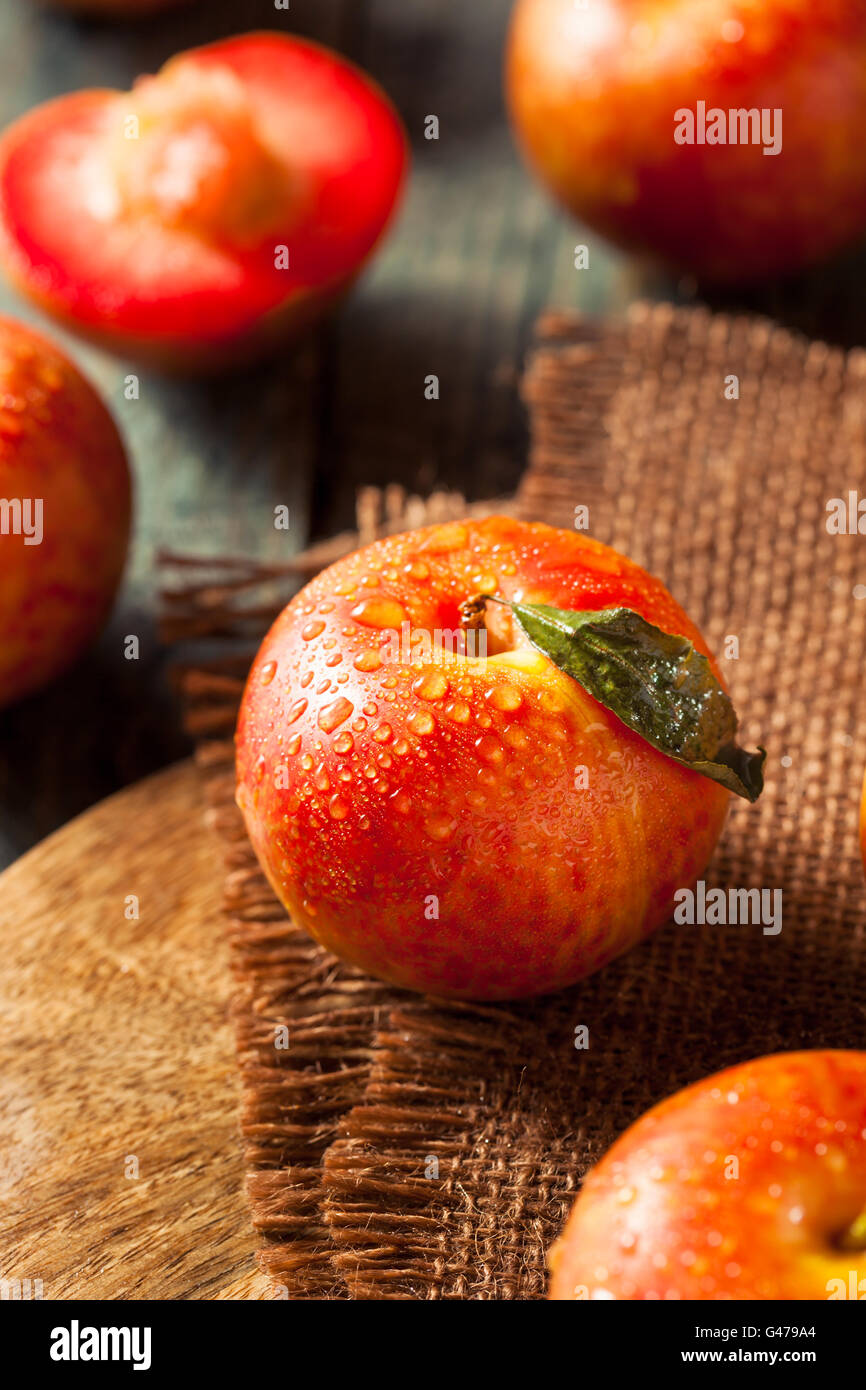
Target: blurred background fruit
210, 213
64, 511
593, 88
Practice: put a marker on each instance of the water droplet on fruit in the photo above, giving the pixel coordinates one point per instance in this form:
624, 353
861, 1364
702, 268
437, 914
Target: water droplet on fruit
445, 538
505, 697
431, 686
401, 747
335, 659
367, 661
293, 745
459, 712
383, 734
440, 827
332, 715
269, 670
259, 768
402, 803
418, 570
344, 743
370, 708
305, 679
322, 780
312, 629
422, 723
379, 612
489, 749
306, 762
296, 710
338, 808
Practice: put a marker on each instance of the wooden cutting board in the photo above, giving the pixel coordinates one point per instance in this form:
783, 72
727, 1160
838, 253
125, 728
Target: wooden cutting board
120, 1163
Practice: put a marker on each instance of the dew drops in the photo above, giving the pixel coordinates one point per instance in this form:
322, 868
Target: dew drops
459, 712
296, 710
367, 661
446, 538
305, 679
333, 714
401, 748
307, 762
379, 612
431, 686
489, 749
418, 570
422, 723
402, 803
440, 827
371, 708
334, 659
505, 697
269, 670
293, 745
312, 629
344, 743
338, 808
383, 734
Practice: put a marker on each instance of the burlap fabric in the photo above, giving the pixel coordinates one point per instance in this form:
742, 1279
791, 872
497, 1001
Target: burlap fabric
410, 1149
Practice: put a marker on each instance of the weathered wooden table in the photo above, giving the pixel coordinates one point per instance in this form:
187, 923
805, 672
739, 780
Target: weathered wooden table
477, 251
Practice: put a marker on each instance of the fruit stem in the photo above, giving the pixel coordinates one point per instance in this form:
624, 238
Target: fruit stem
472, 612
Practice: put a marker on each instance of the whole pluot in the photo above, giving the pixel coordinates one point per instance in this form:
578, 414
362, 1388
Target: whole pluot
620, 105
64, 511
464, 824
750, 1184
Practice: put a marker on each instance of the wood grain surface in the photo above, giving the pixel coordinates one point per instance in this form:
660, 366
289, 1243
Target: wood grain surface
117, 1058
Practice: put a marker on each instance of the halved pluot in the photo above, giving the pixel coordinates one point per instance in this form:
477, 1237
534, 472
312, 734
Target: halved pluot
210, 213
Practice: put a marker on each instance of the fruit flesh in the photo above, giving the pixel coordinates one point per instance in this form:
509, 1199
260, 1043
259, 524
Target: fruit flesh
378, 791
748, 1185
162, 236
58, 445
593, 93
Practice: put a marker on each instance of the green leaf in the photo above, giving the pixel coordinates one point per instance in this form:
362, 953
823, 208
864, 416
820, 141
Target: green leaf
654, 681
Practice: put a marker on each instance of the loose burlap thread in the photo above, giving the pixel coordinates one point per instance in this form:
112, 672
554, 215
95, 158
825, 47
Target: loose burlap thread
406, 1148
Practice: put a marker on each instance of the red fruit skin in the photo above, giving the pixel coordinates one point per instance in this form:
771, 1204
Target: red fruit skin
592, 96
449, 785
168, 295
59, 444
659, 1218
